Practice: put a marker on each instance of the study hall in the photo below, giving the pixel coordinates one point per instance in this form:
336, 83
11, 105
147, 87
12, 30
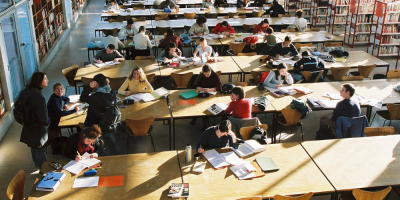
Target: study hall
193, 99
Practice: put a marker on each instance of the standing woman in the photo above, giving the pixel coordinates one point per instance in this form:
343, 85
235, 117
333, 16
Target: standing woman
280, 76
203, 48
142, 43
261, 28
135, 83
35, 134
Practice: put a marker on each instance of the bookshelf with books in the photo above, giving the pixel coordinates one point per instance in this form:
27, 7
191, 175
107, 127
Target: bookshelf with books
305, 5
336, 16
385, 29
318, 12
76, 5
398, 56
48, 21
291, 5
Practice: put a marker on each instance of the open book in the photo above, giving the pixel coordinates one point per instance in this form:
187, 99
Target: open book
249, 147
79, 105
278, 92
86, 162
156, 94
331, 104
104, 64
244, 171
217, 108
216, 160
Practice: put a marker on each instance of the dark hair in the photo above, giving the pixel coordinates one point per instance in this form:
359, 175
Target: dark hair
201, 20
305, 53
299, 13
130, 21
91, 132
36, 80
225, 126
275, 2
202, 39
172, 45
56, 85
111, 46
113, 1
349, 88
100, 79
206, 68
141, 28
287, 38
238, 90
270, 30
265, 21
225, 23
170, 32
280, 66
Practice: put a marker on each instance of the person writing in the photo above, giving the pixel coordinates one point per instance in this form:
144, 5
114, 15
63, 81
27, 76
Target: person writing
203, 48
112, 5
241, 3
207, 4
223, 28
276, 9
200, 27
170, 52
300, 24
171, 37
84, 142
135, 83
142, 43
239, 107
167, 4
114, 41
108, 54
261, 28
307, 63
217, 137
285, 49
280, 76
129, 30
270, 39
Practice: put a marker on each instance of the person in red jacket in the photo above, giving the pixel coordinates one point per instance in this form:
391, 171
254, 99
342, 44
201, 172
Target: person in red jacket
261, 27
171, 38
239, 107
223, 28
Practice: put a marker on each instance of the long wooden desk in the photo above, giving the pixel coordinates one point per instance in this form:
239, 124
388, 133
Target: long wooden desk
226, 10
297, 175
112, 25
135, 13
357, 162
181, 11
310, 37
278, 22
146, 176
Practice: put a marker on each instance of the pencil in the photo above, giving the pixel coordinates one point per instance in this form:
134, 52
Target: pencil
78, 153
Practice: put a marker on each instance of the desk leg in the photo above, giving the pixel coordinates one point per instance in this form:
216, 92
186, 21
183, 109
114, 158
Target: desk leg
173, 134
274, 123
244, 77
169, 128
368, 114
88, 54
76, 91
387, 70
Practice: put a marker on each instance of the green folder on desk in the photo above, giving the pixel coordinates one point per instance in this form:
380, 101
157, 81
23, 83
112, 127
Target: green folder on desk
188, 95
267, 164
131, 44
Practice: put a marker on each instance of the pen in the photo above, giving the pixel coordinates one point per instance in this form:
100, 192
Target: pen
78, 154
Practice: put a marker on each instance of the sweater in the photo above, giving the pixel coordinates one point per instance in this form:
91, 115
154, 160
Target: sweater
271, 39
165, 54
113, 40
281, 50
276, 10
142, 41
309, 64
55, 110
271, 81
125, 31
240, 108
210, 140
105, 57
98, 104
196, 29
71, 147
259, 28
300, 24
164, 5
346, 108
207, 4
213, 81
134, 86
200, 50
218, 29
175, 39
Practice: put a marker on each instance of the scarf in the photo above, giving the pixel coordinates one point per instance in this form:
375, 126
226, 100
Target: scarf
104, 89
83, 148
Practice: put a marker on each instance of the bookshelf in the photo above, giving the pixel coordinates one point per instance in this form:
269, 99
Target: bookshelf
290, 5
2, 101
49, 24
336, 16
358, 24
384, 34
305, 5
75, 5
398, 56
318, 12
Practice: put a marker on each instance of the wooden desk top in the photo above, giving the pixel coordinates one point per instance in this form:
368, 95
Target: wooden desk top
357, 162
178, 23
232, 21
146, 176
358, 58
225, 11
113, 71
200, 108
277, 20
211, 41
381, 89
313, 37
297, 175
119, 25
126, 44
227, 40
139, 12
251, 63
181, 11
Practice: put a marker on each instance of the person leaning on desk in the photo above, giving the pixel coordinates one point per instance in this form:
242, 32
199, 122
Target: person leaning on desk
200, 27
85, 142
203, 48
170, 52
135, 83
307, 63
276, 9
171, 37
285, 49
129, 30
217, 137
280, 76
239, 107
108, 54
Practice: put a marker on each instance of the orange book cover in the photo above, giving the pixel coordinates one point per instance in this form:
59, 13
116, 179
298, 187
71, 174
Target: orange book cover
111, 181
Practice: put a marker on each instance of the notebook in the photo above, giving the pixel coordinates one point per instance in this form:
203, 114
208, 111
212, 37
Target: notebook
188, 95
248, 147
51, 181
267, 164
156, 94
314, 102
76, 167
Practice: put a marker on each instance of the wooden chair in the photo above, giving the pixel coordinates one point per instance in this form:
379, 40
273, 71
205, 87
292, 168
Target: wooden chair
247, 27
139, 8
313, 30
366, 195
121, 6
288, 30
363, 70
15, 190
151, 77
138, 19
124, 18
211, 15
245, 131
392, 113
86, 80
379, 131
115, 83
161, 30
217, 72
161, 15
258, 13
352, 78
239, 16
307, 75
187, 28
283, 15
161, 18
255, 76
141, 127
70, 74
223, 17
290, 117
111, 32
233, 14
299, 45
248, 54
332, 44
115, 20
181, 80
243, 84
237, 47
145, 57
302, 197
337, 73
394, 73
251, 198
189, 15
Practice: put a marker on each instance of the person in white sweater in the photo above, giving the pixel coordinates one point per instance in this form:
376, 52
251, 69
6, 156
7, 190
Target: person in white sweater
200, 27
135, 83
142, 43
280, 76
300, 24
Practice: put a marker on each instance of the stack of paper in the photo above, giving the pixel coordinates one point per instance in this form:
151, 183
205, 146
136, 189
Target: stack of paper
74, 98
244, 171
86, 182
331, 104
249, 147
104, 64
332, 95
79, 105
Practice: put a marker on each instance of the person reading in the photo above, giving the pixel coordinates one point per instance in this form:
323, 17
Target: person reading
135, 83
270, 39
169, 53
307, 63
113, 5
129, 30
87, 141
171, 37
223, 28
167, 4
239, 107
142, 43
217, 137
207, 4
285, 49
276, 9
200, 27
261, 28
108, 54
280, 76
203, 48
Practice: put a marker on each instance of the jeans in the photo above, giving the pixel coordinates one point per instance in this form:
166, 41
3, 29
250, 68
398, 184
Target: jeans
112, 144
38, 156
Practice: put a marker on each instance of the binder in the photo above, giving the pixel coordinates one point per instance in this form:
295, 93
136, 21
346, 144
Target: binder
51, 181
267, 164
188, 95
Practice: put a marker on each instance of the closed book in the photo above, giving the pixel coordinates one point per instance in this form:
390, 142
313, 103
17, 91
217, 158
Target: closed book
267, 164
314, 102
51, 181
188, 95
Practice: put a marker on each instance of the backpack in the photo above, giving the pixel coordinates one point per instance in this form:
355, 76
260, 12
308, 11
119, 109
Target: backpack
249, 40
259, 134
227, 88
19, 112
262, 77
111, 118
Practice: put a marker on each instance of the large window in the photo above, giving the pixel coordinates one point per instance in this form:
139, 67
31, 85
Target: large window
4, 4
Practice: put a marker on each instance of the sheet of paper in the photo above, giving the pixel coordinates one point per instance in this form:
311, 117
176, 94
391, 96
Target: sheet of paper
100, 65
90, 161
216, 160
232, 158
74, 98
333, 96
79, 105
147, 97
111, 181
74, 167
86, 182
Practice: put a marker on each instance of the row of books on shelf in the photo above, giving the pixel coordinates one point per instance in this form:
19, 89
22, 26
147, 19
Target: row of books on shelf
366, 1
321, 12
59, 19
340, 19
388, 50
338, 28
342, 10
361, 38
369, 8
392, 17
395, 6
320, 20
364, 18
44, 12
341, 2
391, 28
388, 39
363, 28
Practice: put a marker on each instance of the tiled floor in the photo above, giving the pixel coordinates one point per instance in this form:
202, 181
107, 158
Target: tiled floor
15, 156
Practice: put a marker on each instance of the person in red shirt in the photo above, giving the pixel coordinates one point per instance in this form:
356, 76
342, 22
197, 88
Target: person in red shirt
239, 107
261, 27
223, 28
171, 38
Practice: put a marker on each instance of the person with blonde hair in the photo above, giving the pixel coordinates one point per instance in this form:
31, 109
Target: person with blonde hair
135, 83
84, 142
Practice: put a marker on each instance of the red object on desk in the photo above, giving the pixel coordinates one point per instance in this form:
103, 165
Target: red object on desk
187, 102
111, 181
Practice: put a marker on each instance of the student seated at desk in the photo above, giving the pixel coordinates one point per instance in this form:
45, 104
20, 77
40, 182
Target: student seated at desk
129, 30
239, 107
270, 39
223, 28
285, 49
280, 76
112, 40
207, 4
167, 4
156, 4
56, 110
348, 107
203, 48
258, 3
261, 28
112, 5
142, 43
276, 9
300, 24
200, 27
307, 63
108, 54
217, 3
170, 52
217, 137
171, 37
241, 3
85, 142
135, 83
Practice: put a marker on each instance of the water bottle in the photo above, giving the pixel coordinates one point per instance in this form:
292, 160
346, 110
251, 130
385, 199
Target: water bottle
188, 151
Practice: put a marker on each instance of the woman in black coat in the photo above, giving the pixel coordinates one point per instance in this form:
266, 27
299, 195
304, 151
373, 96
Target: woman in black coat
34, 133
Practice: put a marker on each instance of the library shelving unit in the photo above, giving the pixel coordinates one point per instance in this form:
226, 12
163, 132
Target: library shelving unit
305, 5
49, 24
318, 12
398, 56
384, 34
2, 102
290, 5
336, 16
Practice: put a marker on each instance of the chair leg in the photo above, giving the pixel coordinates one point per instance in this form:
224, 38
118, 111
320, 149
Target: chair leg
390, 122
384, 122
302, 134
372, 118
152, 142
280, 134
127, 145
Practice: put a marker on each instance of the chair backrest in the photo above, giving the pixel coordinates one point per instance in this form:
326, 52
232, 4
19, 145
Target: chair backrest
232, 14
140, 127
115, 83
181, 80
366, 195
251, 198
211, 15
145, 57
379, 131
394, 111
258, 13
245, 131
248, 54
365, 70
302, 197
339, 72
217, 72
237, 47
124, 18
239, 16
70, 73
189, 15
223, 17
187, 28
292, 116
288, 30
255, 75
238, 123
394, 73
161, 15
352, 78
150, 77
283, 15
15, 190
158, 18
313, 29
332, 44
108, 32
86, 80
307, 75
243, 84
247, 27
139, 19
299, 45
162, 30
115, 20
121, 6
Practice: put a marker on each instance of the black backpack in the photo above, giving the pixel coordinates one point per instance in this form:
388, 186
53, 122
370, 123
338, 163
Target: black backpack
259, 134
112, 117
227, 88
19, 112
